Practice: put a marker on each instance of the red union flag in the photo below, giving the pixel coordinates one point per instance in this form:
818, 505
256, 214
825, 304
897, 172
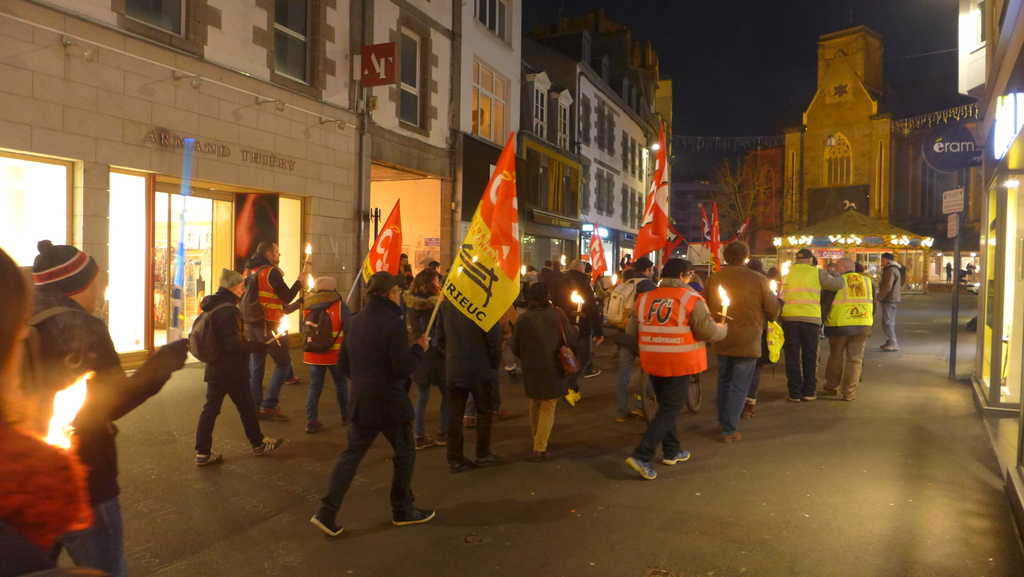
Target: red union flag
597, 260
654, 228
386, 252
674, 240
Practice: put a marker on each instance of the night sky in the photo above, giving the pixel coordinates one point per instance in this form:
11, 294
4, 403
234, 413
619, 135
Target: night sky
740, 67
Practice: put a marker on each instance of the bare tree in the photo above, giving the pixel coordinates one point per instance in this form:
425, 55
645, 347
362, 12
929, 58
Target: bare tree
749, 189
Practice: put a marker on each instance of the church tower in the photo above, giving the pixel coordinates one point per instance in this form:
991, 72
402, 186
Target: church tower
839, 158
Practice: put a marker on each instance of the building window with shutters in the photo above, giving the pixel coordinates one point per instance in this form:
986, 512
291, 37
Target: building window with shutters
410, 63
626, 213
602, 125
489, 94
838, 161
625, 153
585, 120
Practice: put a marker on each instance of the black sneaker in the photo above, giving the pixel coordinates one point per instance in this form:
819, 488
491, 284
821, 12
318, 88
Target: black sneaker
314, 426
267, 446
415, 518
321, 519
461, 466
487, 461
204, 460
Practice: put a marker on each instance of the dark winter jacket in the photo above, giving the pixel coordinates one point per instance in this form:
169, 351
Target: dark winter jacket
284, 292
552, 279
536, 341
591, 324
420, 307
232, 362
377, 357
75, 342
471, 355
890, 288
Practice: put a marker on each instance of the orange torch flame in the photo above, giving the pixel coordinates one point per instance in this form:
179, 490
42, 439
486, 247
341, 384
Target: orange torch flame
65, 407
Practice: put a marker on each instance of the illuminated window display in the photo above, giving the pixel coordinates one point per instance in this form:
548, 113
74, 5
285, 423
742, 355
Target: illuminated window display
126, 289
34, 195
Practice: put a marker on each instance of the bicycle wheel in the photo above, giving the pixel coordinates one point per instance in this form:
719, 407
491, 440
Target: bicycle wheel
694, 395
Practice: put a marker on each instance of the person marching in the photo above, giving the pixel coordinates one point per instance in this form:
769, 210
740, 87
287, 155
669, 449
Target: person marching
377, 356
227, 371
420, 302
801, 321
672, 323
848, 326
324, 304
274, 298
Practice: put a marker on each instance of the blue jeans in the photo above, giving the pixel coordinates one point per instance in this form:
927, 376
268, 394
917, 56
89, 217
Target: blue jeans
257, 368
626, 359
734, 376
101, 546
317, 376
422, 396
671, 393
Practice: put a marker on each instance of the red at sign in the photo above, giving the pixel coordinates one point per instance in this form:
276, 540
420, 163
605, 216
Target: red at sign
378, 64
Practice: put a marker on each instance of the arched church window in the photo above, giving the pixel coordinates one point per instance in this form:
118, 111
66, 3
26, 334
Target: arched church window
838, 161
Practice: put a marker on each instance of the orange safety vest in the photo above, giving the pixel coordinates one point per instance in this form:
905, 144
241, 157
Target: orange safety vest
273, 307
667, 346
327, 357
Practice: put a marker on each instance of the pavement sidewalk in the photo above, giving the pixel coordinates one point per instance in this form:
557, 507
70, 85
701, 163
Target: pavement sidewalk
901, 482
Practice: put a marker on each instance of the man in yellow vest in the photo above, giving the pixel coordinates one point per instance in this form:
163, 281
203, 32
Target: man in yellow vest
801, 323
671, 324
847, 326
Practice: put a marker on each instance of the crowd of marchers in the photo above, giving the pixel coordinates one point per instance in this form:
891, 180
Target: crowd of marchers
405, 334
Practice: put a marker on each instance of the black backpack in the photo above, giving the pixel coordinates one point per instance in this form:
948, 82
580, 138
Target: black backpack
202, 341
317, 329
252, 309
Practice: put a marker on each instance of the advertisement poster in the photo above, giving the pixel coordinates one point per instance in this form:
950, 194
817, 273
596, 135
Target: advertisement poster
256, 220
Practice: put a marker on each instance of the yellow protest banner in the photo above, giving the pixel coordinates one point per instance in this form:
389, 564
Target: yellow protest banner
484, 279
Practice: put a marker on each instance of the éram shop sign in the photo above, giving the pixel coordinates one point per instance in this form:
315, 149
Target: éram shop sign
174, 141
950, 148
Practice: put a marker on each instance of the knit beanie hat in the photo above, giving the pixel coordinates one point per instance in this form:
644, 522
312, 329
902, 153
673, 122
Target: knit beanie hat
230, 278
63, 269
325, 283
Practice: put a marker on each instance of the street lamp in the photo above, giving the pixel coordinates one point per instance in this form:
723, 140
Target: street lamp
655, 146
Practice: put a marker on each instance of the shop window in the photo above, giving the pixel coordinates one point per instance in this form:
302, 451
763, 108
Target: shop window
127, 271
35, 197
289, 242
409, 100
291, 39
163, 14
488, 103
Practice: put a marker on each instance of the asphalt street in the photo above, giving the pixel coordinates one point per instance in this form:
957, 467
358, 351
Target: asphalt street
903, 481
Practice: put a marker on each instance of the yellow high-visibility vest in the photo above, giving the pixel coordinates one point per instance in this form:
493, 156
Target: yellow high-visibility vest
852, 306
802, 292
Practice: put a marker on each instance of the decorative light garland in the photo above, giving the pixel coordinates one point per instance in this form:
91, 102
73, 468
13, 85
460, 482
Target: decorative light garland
730, 143
908, 125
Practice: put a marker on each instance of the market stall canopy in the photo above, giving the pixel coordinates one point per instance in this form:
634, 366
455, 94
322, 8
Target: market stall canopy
854, 229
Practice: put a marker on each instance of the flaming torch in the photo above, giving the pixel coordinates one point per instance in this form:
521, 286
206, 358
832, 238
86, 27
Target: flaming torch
774, 286
65, 407
309, 253
576, 298
310, 283
284, 330
725, 302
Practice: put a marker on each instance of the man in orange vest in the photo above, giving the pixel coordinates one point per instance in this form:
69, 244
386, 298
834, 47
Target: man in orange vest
671, 323
275, 297
324, 301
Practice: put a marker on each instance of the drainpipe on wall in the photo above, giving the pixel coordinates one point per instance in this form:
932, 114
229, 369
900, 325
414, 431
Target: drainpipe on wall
365, 149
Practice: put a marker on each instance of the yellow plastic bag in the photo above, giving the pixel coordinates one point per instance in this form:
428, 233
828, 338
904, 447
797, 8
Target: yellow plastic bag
775, 340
